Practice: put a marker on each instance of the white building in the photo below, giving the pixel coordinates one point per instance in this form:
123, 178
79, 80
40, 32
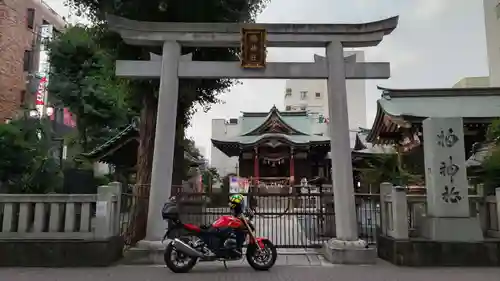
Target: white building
222, 128
311, 95
492, 27
300, 95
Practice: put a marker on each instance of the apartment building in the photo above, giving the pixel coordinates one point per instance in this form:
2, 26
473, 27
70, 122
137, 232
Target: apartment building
22, 23
492, 28
312, 96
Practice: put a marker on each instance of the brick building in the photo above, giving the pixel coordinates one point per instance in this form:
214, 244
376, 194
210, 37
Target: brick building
20, 22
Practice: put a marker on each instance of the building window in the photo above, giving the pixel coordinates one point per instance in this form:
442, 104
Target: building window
288, 108
30, 18
303, 95
288, 92
27, 60
318, 95
22, 98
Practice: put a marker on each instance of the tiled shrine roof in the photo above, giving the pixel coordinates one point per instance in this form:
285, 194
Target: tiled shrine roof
293, 128
290, 127
399, 109
121, 149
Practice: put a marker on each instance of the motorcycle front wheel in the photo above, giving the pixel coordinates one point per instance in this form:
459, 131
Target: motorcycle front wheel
262, 259
177, 261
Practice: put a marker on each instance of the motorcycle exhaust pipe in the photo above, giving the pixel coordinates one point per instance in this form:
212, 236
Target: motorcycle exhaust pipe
186, 249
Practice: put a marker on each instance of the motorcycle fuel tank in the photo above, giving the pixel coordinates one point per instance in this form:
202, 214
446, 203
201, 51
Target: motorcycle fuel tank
227, 221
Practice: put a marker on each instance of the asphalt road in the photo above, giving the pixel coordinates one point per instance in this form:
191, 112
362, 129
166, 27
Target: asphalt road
380, 272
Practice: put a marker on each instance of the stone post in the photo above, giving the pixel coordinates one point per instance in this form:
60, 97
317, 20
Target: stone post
497, 195
116, 188
346, 248
343, 186
385, 189
399, 213
161, 178
105, 214
448, 211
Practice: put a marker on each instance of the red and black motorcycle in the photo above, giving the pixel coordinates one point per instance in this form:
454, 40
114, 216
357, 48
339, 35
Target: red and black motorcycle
223, 240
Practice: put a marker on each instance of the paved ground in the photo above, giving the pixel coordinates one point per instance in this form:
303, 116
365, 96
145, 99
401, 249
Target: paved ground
380, 272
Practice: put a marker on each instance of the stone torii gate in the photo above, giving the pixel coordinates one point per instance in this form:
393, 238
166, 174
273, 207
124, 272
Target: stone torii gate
334, 68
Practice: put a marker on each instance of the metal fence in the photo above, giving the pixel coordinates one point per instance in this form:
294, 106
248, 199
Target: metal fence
304, 220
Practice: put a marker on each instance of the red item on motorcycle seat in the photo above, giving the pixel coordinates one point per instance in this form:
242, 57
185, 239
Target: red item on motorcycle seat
192, 227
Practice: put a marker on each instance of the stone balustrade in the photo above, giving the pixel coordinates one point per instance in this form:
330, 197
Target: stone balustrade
403, 215
61, 216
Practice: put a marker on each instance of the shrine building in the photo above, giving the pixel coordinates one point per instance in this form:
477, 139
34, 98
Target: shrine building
279, 146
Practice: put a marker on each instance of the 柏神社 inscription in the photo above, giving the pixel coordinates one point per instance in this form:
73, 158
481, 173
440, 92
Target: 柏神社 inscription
446, 177
449, 169
448, 139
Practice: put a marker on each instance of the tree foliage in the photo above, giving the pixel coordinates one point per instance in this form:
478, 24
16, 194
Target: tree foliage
190, 147
82, 79
26, 164
493, 131
490, 175
202, 91
386, 168
491, 171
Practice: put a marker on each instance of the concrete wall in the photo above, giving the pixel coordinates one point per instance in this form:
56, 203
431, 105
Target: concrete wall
492, 27
473, 82
16, 38
356, 96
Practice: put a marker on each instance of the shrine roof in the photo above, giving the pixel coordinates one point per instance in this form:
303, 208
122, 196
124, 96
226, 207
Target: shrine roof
122, 148
292, 128
403, 107
450, 102
297, 121
296, 139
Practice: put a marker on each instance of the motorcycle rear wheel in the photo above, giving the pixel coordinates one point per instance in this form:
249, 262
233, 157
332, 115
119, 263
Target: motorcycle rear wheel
253, 253
168, 257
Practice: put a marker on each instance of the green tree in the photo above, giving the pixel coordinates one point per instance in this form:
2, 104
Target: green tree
26, 164
386, 168
493, 132
82, 79
201, 91
190, 147
490, 172
191, 92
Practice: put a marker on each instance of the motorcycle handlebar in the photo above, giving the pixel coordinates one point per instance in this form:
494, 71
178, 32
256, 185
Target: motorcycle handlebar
249, 214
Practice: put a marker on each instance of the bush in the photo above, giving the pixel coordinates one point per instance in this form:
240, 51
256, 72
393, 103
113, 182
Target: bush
491, 172
26, 163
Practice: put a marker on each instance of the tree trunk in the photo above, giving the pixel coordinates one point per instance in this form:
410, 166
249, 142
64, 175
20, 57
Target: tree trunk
179, 171
147, 126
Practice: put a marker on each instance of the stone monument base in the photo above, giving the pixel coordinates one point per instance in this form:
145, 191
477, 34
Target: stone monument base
349, 252
419, 252
453, 229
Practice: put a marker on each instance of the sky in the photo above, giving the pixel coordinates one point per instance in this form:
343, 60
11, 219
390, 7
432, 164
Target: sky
437, 43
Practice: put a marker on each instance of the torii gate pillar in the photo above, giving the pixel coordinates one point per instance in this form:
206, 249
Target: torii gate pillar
346, 247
